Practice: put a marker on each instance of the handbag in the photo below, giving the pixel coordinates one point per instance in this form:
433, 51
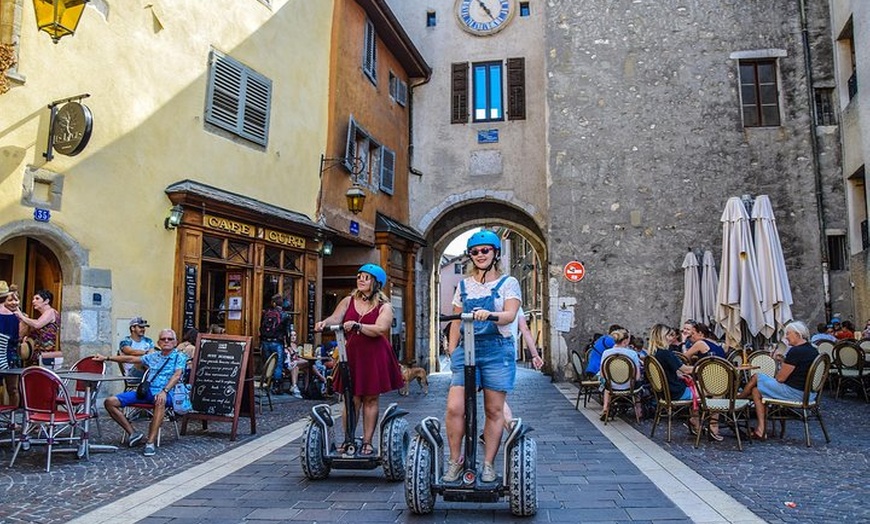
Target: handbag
181, 398
144, 388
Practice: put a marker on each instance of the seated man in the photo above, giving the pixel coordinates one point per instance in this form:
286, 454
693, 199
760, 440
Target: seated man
164, 371
137, 344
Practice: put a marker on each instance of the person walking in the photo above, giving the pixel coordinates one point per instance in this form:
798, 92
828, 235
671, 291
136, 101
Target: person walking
484, 292
274, 332
367, 316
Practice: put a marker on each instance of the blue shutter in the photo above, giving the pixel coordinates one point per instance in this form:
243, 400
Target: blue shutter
402, 92
350, 147
370, 52
388, 170
257, 99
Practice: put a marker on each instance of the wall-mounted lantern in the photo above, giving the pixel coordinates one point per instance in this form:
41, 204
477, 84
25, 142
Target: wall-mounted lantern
58, 18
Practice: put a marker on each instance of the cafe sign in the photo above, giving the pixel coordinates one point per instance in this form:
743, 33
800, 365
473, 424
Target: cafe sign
248, 230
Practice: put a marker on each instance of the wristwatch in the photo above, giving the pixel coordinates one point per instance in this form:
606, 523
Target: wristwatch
166, 391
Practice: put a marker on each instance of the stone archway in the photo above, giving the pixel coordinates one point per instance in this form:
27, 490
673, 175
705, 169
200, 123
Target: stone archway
86, 321
444, 227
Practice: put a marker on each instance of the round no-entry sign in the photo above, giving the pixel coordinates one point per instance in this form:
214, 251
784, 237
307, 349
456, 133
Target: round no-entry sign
574, 271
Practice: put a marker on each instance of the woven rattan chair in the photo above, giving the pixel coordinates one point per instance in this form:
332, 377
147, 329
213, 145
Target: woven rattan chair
717, 388
618, 372
665, 405
735, 357
783, 410
264, 385
849, 364
587, 386
764, 362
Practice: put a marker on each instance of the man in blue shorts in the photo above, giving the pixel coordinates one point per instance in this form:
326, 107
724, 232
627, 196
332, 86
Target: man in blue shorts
165, 369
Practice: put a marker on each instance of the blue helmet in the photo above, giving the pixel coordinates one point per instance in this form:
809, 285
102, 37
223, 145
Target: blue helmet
375, 271
484, 238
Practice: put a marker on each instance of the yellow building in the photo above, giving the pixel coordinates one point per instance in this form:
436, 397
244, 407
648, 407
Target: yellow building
218, 108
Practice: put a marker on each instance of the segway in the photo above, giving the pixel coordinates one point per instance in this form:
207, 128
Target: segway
425, 466
319, 453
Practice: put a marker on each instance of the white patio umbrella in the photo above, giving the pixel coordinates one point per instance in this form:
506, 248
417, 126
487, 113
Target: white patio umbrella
776, 299
739, 294
691, 289
709, 285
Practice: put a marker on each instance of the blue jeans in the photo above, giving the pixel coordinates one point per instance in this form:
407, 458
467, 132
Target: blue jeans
495, 366
274, 346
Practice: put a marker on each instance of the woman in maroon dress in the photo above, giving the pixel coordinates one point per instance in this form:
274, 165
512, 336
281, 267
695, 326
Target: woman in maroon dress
366, 315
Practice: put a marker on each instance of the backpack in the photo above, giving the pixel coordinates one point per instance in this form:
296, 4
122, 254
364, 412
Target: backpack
270, 325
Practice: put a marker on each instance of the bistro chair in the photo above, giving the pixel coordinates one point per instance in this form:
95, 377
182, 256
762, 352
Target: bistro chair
717, 381
736, 357
78, 388
665, 405
586, 386
619, 372
264, 385
46, 416
7, 420
147, 408
763, 361
783, 410
849, 366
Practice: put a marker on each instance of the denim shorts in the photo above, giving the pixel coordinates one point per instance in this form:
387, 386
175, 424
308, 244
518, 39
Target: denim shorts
772, 388
496, 367
129, 397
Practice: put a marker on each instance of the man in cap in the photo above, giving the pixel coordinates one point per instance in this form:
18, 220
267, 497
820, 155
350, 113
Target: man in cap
137, 344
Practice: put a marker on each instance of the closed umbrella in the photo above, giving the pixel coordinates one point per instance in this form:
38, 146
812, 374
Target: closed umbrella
776, 299
709, 285
739, 295
691, 289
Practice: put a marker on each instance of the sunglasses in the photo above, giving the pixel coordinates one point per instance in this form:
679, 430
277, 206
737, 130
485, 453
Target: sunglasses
482, 251
164, 339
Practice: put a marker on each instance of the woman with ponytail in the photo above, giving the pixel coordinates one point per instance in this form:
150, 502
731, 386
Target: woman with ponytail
367, 316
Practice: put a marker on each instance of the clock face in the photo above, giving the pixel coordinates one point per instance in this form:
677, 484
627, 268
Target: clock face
484, 17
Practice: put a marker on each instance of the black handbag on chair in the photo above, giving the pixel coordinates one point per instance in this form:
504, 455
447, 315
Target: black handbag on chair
144, 388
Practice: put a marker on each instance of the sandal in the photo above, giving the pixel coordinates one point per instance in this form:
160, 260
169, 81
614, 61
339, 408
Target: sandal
691, 428
755, 436
366, 449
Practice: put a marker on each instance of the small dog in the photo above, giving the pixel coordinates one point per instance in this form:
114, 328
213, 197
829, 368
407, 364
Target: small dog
412, 372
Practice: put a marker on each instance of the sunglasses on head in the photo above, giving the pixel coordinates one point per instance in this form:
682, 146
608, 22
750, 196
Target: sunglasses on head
479, 251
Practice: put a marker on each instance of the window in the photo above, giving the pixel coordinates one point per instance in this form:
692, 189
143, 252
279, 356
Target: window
238, 99
825, 114
459, 94
516, 80
759, 93
370, 52
431, 19
369, 161
524, 9
458, 268
837, 252
398, 90
487, 88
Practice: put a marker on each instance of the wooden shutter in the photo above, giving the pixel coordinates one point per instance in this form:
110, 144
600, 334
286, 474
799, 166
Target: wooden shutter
402, 93
350, 147
459, 94
516, 79
370, 52
238, 99
388, 170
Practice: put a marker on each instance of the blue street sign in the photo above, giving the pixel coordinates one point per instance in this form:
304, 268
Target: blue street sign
487, 136
354, 228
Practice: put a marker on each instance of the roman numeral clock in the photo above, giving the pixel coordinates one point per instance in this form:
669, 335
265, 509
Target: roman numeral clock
484, 17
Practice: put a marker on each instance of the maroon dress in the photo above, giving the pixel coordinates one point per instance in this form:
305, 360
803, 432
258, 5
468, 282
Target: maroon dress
373, 366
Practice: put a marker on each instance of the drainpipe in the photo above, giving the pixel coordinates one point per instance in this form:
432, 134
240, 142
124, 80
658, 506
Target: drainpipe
817, 169
411, 87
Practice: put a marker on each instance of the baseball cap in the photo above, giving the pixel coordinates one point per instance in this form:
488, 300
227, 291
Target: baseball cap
139, 321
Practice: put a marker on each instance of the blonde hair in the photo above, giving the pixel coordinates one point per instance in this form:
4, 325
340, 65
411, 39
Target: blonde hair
380, 296
658, 338
619, 335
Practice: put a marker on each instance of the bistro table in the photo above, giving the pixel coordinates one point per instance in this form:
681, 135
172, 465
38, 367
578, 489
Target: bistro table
91, 379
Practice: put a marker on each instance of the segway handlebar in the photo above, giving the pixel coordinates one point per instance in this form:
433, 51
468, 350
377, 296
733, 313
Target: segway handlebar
464, 316
334, 328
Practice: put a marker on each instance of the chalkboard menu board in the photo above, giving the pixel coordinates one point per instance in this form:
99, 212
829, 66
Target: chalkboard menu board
189, 296
221, 380
312, 297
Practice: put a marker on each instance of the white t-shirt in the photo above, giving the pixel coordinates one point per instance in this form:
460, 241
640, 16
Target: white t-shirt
474, 289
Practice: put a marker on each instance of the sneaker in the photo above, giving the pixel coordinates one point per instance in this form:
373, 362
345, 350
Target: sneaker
134, 439
488, 474
454, 469
150, 449
295, 392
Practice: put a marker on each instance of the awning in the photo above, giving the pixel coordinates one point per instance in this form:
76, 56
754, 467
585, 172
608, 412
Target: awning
385, 224
196, 194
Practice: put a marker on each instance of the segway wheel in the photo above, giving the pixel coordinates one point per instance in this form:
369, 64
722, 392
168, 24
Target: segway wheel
522, 478
419, 477
394, 447
313, 464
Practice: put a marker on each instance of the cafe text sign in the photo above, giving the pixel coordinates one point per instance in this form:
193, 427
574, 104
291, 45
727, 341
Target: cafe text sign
248, 230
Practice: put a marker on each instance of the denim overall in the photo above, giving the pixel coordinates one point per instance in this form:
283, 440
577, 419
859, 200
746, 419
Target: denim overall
494, 353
